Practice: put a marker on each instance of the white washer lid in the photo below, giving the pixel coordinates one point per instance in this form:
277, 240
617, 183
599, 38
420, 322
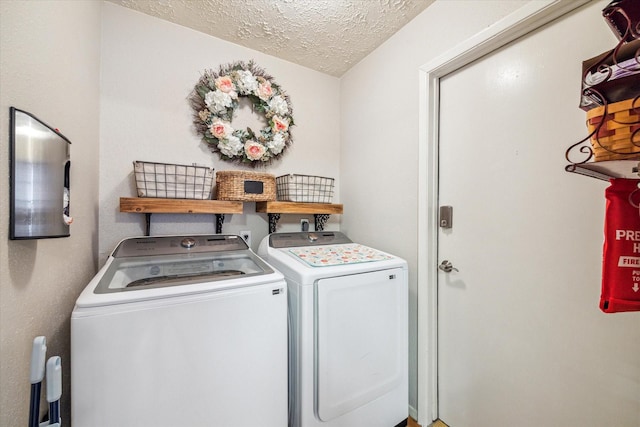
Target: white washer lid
135, 273
161, 267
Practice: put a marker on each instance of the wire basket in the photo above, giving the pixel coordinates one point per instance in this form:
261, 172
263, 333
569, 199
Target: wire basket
304, 188
171, 181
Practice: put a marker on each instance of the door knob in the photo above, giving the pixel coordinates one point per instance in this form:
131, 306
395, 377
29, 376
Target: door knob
447, 267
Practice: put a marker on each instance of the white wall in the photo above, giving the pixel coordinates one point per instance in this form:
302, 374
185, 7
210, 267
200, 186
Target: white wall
49, 66
149, 68
379, 134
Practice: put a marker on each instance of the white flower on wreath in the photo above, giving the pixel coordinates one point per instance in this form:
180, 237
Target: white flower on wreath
221, 129
277, 143
231, 146
278, 106
218, 101
254, 150
246, 82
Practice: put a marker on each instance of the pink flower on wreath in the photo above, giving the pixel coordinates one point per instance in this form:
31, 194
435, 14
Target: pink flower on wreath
279, 124
264, 91
254, 150
225, 84
221, 129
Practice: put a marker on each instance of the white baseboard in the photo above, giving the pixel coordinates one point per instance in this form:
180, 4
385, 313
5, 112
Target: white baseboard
413, 412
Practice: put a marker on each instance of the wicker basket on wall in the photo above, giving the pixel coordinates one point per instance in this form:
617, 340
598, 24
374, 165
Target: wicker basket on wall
245, 186
618, 135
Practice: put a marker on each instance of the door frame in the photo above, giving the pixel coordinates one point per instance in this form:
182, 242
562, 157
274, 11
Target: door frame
529, 17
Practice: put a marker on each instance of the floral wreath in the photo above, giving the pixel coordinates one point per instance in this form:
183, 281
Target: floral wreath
215, 99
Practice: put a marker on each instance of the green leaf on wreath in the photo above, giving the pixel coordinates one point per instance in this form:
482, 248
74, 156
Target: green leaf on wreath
202, 90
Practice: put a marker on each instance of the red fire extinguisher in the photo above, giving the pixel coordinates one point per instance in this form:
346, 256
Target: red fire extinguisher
621, 252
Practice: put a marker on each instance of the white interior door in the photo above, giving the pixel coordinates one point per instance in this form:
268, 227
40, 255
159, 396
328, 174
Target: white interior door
521, 341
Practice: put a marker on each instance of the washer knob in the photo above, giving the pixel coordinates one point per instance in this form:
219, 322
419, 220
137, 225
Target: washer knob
188, 242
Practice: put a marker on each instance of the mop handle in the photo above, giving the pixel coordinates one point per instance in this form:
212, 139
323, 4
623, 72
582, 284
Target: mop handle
54, 388
36, 375
34, 406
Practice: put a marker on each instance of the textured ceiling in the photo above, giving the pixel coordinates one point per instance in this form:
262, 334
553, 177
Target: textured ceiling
326, 35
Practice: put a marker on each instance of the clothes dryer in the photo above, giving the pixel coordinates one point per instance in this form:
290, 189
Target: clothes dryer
348, 353
181, 331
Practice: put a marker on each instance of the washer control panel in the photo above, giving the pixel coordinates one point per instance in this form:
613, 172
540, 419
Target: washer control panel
170, 245
188, 242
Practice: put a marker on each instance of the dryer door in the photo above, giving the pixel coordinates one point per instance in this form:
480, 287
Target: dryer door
361, 324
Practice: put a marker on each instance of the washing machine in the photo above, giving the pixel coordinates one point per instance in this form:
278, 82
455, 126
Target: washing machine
181, 331
348, 355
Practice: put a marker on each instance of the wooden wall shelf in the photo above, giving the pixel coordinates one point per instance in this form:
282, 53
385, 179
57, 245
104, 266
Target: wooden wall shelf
320, 211
298, 208
149, 205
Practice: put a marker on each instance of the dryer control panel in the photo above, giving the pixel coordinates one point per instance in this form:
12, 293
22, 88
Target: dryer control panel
294, 240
